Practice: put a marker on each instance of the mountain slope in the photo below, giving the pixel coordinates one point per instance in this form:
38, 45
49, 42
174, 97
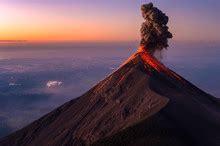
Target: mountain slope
141, 103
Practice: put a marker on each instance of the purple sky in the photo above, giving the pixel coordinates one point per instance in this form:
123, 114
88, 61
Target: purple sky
107, 20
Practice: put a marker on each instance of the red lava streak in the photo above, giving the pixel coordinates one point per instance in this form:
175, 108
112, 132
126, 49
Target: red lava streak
153, 62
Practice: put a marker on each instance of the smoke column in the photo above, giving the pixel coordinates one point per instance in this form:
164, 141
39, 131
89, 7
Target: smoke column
154, 31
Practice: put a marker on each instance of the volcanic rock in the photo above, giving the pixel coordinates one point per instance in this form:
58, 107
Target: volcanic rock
141, 103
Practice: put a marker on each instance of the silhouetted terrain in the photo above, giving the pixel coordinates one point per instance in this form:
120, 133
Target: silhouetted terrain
138, 104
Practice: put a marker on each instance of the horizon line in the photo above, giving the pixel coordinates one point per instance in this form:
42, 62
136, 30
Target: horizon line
8, 41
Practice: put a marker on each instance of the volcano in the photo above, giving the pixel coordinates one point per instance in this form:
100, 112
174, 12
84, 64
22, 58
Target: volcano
141, 103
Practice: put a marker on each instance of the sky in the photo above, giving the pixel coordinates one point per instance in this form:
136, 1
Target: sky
104, 20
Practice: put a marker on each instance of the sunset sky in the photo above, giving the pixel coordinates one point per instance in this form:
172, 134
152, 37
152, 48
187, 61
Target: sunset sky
104, 20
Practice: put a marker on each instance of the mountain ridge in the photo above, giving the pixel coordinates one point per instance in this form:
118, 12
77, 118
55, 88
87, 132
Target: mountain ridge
136, 92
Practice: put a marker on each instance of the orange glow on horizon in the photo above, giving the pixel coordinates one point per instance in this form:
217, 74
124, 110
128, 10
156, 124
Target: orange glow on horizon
32, 25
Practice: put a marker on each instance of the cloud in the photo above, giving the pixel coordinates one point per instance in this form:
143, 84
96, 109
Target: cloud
51, 84
14, 84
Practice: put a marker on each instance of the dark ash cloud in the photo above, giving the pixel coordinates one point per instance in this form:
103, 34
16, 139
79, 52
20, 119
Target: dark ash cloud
154, 31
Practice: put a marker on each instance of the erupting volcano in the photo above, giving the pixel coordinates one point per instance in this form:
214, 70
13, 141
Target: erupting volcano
141, 103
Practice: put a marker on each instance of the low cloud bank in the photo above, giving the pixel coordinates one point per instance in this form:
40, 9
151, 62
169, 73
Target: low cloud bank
51, 84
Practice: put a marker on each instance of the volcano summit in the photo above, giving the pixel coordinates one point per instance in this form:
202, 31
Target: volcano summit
141, 103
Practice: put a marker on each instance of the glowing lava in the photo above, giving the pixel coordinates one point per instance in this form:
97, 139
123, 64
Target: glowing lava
153, 62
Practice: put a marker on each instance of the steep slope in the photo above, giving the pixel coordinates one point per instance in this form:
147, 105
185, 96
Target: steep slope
191, 115
142, 103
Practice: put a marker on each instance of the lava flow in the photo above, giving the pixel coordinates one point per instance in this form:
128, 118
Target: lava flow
153, 62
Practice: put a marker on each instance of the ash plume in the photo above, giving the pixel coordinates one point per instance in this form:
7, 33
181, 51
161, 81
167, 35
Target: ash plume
154, 31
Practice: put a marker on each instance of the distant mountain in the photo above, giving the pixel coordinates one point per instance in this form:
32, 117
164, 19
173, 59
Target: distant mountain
13, 41
141, 103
